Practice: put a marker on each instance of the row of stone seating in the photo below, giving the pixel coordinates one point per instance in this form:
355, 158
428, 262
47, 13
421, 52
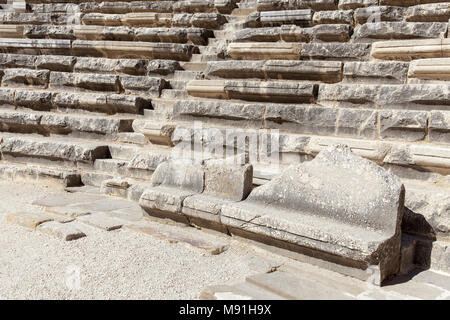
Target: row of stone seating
135, 19
345, 231
202, 6
138, 67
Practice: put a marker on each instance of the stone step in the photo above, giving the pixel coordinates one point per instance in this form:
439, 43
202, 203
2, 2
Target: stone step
186, 75
79, 126
63, 101
177, 85
241, 291
52, 150
174, 94
46, 175
407, 50
194, 66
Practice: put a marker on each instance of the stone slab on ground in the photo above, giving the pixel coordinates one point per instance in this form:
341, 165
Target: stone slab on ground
66, 199
241, 291
184, 234
101, 221
63, 231
28, 219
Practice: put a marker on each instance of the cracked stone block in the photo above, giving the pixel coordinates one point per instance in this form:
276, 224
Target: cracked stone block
28, 219
101, 221
403, 125
332, 216
62, 231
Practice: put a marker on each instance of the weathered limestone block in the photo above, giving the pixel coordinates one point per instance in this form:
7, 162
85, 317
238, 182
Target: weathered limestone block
28, 219
102, 19
129, 49
63, 231
11, 31
225, 181
331, 33
326, 71
235, 69
178, 35
182, 19
348, 95
37, 100
142, 85
172, 182
25, 18
163, 67
301, 119
278, 18
55, 63
17, 121
49, 32
97, 102
137, 67
146, 19
86, 81
264, 51
430, 69
25, 77
104, 7
7, 96
428, 210
95, 65
271, 91
151, 6
268, 34
333, 217
54, 150
214, 89
84, 126
407, 3
375, 72
414, 96
103, 33
17, 61
378, 14
353, 4
411, 49
207, 20
336, 51
316, 5
403, 125
192, 6
34, 46
146, 161
359, 123
439, 127
333, 17
222, 110
399, 30
156, 131
429, 12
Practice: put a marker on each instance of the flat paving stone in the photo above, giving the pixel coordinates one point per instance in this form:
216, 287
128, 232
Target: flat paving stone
69, 211
242, 291
134, 213
104, 205
67, 199
63, 231
101, 221
28, 219
175, 234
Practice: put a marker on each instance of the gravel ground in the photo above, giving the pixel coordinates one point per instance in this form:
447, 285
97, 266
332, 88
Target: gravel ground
119, 264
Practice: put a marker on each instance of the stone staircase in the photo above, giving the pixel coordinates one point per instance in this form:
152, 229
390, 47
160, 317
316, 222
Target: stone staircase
100, 93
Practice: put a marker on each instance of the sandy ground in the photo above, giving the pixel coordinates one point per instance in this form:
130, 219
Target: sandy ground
119, 264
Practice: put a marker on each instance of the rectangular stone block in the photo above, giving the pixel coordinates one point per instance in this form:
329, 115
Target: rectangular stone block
378, 14
353, 4
129, 49
370, 32
33, 99
95, 65
207, 88
375, 72
408, 49
333, 17
429, 12
336, 51
35, 46
28, 219
101, 221
403, 125
55, 63
88, 32
430, 69
264, 51
271, 91
62, 231
439, 127
25, 78
142, 85
146, 19
17, 61
11, 31
84, 81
